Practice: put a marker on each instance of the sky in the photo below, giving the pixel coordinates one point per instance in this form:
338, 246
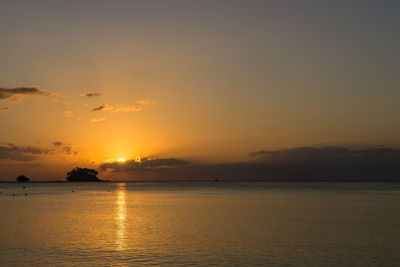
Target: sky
167, 85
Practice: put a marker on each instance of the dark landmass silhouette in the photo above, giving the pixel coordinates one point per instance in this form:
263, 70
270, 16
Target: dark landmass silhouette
82, 175
23, 179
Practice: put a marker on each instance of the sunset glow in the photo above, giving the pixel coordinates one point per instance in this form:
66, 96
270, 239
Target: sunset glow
199, 133
197, 84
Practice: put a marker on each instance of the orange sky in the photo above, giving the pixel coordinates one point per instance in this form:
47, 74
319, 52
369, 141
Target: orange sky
204, 82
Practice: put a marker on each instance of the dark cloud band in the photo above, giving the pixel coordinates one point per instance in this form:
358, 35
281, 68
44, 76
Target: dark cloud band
144, 163
322, 163
21, 153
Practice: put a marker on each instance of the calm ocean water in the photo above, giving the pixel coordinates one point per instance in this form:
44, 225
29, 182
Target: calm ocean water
200, 224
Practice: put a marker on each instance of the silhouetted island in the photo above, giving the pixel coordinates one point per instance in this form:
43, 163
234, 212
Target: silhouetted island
82, 175
23, 179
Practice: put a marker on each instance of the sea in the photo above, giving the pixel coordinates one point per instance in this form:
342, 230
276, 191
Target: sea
199, 224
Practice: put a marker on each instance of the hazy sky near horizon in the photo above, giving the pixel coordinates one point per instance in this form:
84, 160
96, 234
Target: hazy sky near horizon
88, 82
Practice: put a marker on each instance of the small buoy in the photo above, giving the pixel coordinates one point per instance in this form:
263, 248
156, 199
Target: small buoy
72, 191
26, 194
13, 195
24, 187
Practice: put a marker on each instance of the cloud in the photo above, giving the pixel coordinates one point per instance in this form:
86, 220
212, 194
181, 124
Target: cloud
258, 153
69, 113
146, 102
326, 163
91, 94
128, 108
4, 109
57, 143
67, 149
97, 119
21, 153
105, 107
323, 153
100, 107
144, 163
319, 163
17, 93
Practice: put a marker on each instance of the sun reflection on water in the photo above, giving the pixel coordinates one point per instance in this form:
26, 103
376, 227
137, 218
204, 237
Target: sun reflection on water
120, 217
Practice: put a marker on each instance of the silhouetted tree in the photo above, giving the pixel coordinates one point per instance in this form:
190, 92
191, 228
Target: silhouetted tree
23, 179
82, 175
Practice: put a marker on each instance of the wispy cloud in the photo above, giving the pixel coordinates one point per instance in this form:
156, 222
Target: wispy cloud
118, 108
3, 109
100, 107
90, 94
146, 102
128, 108
17, 93
69, 113
98, 119
67, 149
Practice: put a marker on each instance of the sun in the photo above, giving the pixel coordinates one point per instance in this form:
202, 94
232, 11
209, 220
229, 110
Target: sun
121, 160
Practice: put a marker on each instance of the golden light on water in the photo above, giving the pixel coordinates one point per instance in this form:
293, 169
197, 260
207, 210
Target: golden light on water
120, 217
